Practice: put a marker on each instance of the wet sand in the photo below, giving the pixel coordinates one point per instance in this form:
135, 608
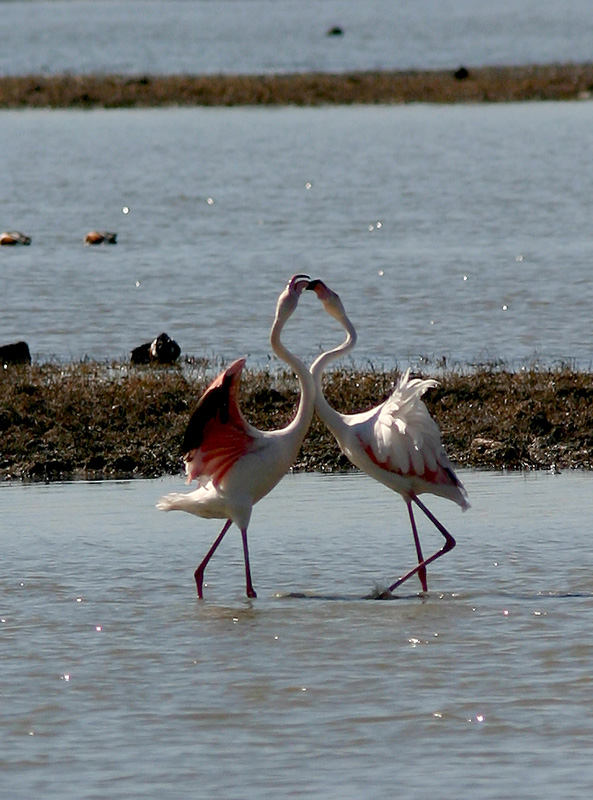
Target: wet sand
92, 420
459, 85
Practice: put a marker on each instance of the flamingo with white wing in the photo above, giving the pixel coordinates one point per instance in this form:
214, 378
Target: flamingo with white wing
397, 443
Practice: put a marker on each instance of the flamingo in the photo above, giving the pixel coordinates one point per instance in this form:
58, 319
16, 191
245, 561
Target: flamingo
397, 443
236, 464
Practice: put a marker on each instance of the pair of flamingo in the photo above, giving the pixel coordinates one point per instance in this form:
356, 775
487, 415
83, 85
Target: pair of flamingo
397, 443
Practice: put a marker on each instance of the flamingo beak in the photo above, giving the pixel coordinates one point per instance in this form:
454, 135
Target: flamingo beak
298, 283
322, 290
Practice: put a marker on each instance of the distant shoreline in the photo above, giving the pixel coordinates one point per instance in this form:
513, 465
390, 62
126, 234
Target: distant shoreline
461, 85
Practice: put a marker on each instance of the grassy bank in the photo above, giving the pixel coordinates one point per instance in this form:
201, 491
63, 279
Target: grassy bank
92, 420
484, 84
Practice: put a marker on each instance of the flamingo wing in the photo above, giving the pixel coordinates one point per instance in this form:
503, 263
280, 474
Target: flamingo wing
217, 434
404, 439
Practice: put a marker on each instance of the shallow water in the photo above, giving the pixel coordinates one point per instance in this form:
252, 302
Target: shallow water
459, 232
263, 36
117, 682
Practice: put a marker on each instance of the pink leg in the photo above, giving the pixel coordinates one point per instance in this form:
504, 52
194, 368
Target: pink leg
199, 573
421, 566
449, 545
248, 583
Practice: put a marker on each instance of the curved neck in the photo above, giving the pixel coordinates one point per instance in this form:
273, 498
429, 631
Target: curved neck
329, 415
306, 406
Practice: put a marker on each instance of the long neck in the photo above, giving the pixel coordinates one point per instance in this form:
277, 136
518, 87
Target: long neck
299, 425
332, 418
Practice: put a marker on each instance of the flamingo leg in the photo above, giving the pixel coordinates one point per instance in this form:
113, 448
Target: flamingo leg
422, 567
449, 545
248, 583
199, 573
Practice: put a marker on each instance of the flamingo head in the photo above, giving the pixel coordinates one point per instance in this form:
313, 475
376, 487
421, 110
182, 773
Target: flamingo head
289, 299
331, 301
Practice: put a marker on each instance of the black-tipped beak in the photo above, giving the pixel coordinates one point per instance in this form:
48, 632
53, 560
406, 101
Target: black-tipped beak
312, 285
298, 279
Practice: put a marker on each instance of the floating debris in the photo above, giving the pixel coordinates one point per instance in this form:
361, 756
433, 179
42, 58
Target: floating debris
100, 237
14, 237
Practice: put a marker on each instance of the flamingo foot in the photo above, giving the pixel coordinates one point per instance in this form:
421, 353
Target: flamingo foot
385, 595
423, 579
421, 567
199, 576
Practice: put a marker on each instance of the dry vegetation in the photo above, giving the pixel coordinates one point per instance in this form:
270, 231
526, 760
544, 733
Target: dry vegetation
484, 84
92, 420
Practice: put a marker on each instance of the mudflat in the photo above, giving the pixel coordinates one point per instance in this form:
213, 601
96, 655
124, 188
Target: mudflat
111, 420
464, 84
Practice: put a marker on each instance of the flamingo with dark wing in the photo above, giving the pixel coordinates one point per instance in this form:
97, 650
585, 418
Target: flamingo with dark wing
397, 443
234, 463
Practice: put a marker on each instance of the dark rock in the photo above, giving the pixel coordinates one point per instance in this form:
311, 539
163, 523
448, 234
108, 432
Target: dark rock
95, 463
124, 463
141, 354
461, 74
15, 353
52, 469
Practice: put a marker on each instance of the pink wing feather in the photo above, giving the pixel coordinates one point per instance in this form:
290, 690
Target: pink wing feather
217, 434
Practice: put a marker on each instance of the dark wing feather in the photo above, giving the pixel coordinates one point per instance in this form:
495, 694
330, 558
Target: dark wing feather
217, 435
215, 402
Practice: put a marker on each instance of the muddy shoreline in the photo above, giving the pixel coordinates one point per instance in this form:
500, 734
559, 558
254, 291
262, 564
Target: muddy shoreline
458, 85
101, 421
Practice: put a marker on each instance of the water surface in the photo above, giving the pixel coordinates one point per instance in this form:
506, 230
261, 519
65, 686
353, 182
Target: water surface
118, 682
461, 232
275, 36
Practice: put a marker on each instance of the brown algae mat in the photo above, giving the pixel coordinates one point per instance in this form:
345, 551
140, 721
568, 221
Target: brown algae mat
96, 420
459, 85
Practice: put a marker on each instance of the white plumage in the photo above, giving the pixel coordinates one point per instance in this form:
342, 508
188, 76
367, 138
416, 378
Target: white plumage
398, 443
234, 463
